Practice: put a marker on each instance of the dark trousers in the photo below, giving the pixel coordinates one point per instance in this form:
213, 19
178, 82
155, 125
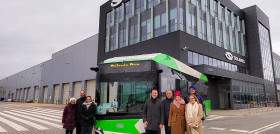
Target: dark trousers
69, 131
152, 132
167, 128
87, 129
78, 128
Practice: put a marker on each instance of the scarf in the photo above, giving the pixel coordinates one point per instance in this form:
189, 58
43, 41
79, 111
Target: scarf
154, 100
87, 104
192, 113
177, 104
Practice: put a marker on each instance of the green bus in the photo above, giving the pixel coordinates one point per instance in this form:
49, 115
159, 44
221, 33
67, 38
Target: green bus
124, 83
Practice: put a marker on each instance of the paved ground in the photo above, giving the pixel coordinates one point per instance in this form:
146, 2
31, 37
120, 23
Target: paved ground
256, 121
30, 118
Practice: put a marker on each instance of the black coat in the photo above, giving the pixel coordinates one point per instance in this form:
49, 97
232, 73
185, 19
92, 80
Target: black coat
79, 103
166, 106
87, 114
153, 114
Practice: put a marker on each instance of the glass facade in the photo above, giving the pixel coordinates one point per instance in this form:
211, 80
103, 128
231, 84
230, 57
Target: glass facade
277, 68
146, 19
199, 59
266, 53
247, 95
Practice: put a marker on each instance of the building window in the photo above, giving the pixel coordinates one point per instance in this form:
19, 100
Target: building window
200, 61
173, 20
182, 18
128, 9
109, 20
205, 60
122, 38
195, 58
113, 45
215, 9
227, 43
203, 25
234, 43
133, 34
160, 25
118, 14
212, 30
205, 7
190, 59
223, 14
220, 35
266, 53
192, 19
150, 3
229, 18
140, 6
146, 30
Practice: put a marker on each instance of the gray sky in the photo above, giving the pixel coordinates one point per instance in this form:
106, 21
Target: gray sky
32, 30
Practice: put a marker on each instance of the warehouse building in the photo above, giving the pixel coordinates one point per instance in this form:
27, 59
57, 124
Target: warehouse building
58, 79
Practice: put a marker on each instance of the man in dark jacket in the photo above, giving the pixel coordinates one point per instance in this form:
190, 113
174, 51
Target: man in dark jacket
166, 106
192, 90
79, 103
153, 114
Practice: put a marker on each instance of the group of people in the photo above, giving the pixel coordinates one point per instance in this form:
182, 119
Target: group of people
176, 114
79, 115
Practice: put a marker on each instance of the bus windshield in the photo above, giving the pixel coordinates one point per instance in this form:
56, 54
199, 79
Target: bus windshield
124, 97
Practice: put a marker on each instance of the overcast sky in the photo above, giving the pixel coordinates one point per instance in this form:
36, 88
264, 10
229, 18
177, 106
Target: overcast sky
32, 30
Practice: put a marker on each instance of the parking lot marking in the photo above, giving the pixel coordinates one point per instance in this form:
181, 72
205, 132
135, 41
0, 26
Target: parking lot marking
2, 130
38, 116
273, 126
214, 117
262, 128
50, 110
35, 119
44, 114
25, 122
216, 128
47, 111
236, 130
13, 125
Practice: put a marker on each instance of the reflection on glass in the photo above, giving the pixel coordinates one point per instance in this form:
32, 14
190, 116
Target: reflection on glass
124, 96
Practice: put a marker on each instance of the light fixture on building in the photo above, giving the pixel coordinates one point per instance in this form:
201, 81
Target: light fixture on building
185, 48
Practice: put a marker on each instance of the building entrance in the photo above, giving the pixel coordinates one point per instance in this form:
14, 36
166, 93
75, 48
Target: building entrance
224, 96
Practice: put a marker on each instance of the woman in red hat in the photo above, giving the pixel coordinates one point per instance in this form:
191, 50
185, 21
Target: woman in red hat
177, 115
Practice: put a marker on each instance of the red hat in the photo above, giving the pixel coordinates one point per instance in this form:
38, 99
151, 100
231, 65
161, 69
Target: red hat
178, 93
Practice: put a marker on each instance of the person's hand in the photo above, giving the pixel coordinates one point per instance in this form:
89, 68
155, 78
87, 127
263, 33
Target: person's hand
145, 124
190, 124
193, 125
63, 124
160, 126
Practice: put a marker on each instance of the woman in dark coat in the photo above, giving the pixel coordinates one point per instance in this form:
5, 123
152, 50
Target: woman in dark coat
68, 119
87, 116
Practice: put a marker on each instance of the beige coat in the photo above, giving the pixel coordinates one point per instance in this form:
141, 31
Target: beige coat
197, 120
177, 119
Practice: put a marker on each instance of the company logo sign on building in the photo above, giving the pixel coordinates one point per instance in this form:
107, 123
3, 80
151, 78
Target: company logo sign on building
115, 3
229, 56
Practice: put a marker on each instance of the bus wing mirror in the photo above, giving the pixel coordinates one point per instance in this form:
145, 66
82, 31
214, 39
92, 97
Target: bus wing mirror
96, 69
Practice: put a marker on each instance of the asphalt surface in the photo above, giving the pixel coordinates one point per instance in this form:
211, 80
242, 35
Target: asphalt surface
30, 118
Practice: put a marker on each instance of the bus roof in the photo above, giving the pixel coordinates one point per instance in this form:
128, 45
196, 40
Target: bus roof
161, 59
